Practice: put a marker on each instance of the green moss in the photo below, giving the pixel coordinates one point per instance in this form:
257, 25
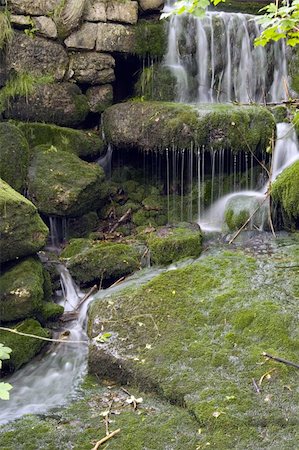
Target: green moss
293, 69
173, 243
243, 6
285, 191
21, 290
6, 32
82, 226
22, 232
85, 144
156, 83
93, 261
150, 39
14, 156
236, 221
61, 184
23, 348
50, 312
203, 330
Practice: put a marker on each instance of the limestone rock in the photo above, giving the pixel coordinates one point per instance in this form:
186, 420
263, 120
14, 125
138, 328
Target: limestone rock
84, 38
70, 16
62, 104
150, 5
19, 21
122, 12
95, 11
46, 27
37, 56
22, 232
92, 68
115, 38
33, 7
63, 185
99, 97
21, 290
158, 125
14, 156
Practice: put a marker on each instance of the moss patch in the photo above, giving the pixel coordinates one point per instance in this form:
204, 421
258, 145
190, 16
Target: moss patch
61, 184
85, 144
14, 156
92, 261
157, 125
285, 191
22, 231
150, 39
23, 348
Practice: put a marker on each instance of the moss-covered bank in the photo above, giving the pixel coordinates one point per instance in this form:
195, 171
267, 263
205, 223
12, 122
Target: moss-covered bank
157, 125
285, 191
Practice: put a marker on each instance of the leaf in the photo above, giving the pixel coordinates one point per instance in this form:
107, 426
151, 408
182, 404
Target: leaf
4, 391
103, 337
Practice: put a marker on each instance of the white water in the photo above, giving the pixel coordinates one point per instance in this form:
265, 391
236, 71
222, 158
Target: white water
214, 60
286, 152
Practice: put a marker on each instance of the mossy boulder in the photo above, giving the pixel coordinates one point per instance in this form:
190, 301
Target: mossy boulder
150, 39
239, 208
294, 69
285, 192
82, 226
23, 348
21, 290
22, 231
92, 261
200, 340
157, 125
85, 144
174, 242
14, 156
61, 184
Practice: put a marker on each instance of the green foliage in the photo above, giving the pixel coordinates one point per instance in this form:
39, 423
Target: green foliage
280, 23
6, 31
21, 85
4, 387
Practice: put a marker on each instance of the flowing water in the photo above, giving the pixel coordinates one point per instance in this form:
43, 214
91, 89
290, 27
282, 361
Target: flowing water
213, 59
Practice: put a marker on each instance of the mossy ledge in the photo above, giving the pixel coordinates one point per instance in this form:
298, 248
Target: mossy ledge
161, 125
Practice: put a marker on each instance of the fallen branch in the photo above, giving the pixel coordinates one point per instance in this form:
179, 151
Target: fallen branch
284, 361
86, 296
120, 221
60, 341
109, 436
120, 280
256, 387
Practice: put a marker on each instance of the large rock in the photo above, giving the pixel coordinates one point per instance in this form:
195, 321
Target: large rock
84, 38
93, 261
37, 56
46, 27
150, 5
241, 207
99, 98
196, 336
69, 16
115, 38
126, 12
63, 185
157, 125
14, 156
92, 68
21, 290
23, 348
285, 192
85, 144
62, 104
21, 229
33, 7
95, 11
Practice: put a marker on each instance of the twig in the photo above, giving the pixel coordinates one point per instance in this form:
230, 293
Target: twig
86, 296
256, 386
106, 418
40, 337
121, 220
249, 219
284, 361
120, 280
105, 439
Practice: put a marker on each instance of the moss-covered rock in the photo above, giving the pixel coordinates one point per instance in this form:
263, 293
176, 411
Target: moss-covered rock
50, 312
85, 144
294, 69
14, 156
63, 185
172, 243
22, 231
23, 348
239, 208
82, 226
203, 330
93, 261
21, 290
244, 6
156, 83
150, 39
157, 125
285, 191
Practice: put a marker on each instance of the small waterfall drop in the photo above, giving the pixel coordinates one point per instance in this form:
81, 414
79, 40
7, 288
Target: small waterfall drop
286, 152
226, 67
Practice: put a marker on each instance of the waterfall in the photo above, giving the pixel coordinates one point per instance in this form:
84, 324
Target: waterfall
214, 60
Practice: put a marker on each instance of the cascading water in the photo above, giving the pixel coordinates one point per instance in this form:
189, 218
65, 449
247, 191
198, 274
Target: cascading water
214, 60
285, 153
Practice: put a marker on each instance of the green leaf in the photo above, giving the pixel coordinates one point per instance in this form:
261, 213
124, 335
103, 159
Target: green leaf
103, 337
4, 391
